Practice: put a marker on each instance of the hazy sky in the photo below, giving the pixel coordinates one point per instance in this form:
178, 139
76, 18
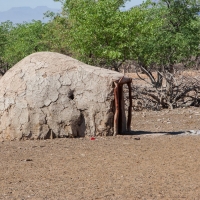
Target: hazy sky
7, 4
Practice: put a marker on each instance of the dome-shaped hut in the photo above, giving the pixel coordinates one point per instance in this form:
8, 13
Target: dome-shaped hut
52, 95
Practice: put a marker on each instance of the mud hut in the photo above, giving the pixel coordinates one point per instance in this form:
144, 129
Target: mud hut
48, 95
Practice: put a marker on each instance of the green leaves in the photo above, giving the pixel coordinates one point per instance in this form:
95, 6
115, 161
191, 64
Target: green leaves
18, 41
22, 40
98, 32
169, 33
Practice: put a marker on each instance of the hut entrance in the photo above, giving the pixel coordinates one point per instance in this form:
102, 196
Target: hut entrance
121, 125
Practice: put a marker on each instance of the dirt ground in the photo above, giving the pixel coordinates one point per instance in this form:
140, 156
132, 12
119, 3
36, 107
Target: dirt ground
154, 162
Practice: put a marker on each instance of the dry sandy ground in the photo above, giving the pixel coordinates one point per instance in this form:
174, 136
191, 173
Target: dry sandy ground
142, 165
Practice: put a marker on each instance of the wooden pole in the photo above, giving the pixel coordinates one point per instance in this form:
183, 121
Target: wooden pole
130, 107
116, 116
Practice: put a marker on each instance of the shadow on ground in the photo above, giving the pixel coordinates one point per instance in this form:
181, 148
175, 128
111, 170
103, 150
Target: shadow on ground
149, 133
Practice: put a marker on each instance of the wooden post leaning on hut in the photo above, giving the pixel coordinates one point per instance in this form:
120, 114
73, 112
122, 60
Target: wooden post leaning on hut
120, 125
116, 116
130, 107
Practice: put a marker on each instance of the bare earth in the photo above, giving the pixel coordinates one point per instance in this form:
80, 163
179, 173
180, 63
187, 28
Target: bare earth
154, 162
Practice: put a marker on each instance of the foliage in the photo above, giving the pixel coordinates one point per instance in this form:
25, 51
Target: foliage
24, 39
3, 38
20, 40
97, 30
4, 31
157, 35
56, 35
170, 35
154, 34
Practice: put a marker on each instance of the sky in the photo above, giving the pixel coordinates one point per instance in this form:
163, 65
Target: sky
7, 4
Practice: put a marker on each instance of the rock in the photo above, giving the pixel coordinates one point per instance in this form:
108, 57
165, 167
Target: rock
48, 95
27, 160
192, 132
138, 138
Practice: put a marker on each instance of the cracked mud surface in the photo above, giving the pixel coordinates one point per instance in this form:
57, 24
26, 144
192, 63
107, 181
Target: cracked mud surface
140, 166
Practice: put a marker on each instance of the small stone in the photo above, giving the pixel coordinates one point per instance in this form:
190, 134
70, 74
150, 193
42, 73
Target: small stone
27, 160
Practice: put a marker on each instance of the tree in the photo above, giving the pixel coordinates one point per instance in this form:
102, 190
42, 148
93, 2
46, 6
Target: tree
5, 27
56, 34
97, 32
169, 34
24, 39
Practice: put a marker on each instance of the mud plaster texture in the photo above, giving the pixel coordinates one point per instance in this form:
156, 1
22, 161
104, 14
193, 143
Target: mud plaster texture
52, 95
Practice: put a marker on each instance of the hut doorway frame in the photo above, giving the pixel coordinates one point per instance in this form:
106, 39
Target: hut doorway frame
119, 117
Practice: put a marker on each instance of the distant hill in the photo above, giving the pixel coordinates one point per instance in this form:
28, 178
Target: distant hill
25, 14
